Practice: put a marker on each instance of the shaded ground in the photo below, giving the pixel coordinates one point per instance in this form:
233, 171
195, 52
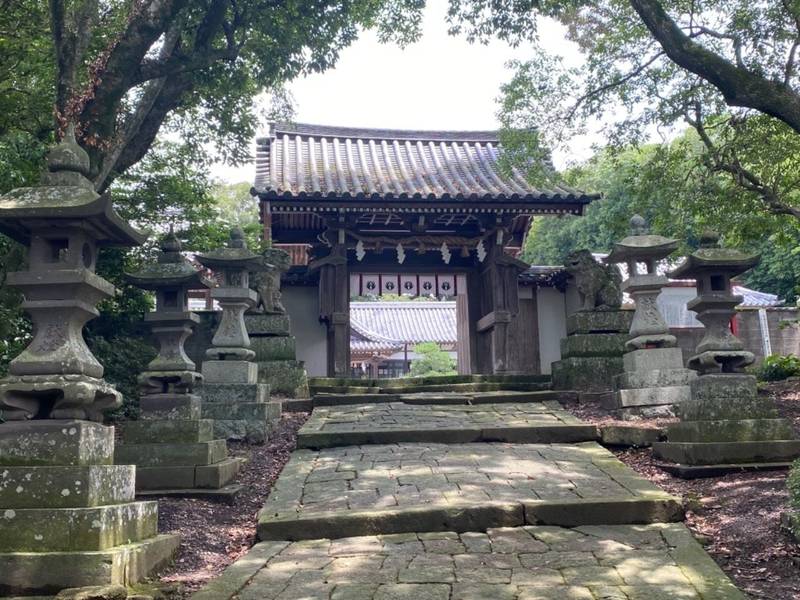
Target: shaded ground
215, 534
738, 514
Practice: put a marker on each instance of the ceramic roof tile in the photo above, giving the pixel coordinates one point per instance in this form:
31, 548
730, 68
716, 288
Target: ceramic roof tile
387, 325
301, 161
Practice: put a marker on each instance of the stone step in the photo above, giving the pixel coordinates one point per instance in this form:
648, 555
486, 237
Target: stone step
171, 455
403, 383
328, 399
211, 476
411, 487
656, 561
720, 453
358, 424
49, 572
77, 529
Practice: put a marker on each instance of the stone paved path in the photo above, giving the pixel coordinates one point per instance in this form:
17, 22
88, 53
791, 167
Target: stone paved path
359, 490
423, 520
530, 422
649, 562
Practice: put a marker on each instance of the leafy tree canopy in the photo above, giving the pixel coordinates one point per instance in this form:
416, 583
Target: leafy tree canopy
727, 68
433, 361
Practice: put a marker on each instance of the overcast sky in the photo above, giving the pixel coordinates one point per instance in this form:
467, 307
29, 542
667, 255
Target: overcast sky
441, 82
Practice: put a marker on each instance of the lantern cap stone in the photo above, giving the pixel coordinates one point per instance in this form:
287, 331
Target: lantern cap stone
641, 245
171, 269
235, 254
65, 197
710, 257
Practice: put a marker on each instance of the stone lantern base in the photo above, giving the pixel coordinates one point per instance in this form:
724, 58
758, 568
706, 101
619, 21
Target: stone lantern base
174, 449
591, 354
725, 426
653, 383
276, 355
67, 513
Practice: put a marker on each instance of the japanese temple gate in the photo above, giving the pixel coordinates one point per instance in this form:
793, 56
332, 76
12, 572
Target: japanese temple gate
402, 209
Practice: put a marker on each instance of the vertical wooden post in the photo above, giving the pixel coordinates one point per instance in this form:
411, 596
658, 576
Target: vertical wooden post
334, 305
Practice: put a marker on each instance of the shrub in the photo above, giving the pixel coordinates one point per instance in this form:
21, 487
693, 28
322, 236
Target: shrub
777, 367
793, 483
433, 361
123, 359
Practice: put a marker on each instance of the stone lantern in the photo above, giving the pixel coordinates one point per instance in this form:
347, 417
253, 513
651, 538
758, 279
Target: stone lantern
173, 448
69, 515
725, 425
654, 378
232, 395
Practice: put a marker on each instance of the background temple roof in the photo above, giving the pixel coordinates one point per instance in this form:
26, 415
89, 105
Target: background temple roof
381, 326
301, 160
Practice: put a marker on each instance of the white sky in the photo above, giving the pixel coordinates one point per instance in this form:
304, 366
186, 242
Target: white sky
441, 82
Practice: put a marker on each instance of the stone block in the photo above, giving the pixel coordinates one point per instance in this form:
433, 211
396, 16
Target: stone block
171, 455
217, 475
233, 393
744, 430
629, 435
66, 487
593, 344
715, 453
229, 371
718, 397
165, 478
47, 573
273, 348
654, 378
652, 359
248, 411
252, 432
653, 396
285, 377
77, 529
590, 374
606, 321
56, 442
264, 325
178, 431
169, 406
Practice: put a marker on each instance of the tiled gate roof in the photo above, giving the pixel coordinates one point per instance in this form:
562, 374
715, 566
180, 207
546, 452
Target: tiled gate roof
302, 161
386, 325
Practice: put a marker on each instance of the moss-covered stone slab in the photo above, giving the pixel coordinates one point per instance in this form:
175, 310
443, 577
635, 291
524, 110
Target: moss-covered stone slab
653, 396
714, 453
744, 430
217, 475
233, 393
588, 374
630, 435
601, 321
595, 344
285, 377
211, 476
48, 572
177, 431
242, 411
162, 407
76, 529
165, 455
273, 348
267, 325
65, 487
56, 442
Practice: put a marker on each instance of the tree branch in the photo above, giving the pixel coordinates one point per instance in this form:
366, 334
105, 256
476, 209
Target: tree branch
739, 86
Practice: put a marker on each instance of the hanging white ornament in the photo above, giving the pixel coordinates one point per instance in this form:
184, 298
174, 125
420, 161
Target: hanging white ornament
360, 252
445, 253
481, 251
401, 254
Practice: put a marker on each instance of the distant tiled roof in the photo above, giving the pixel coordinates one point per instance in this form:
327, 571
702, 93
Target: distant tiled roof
308, 161
388, 326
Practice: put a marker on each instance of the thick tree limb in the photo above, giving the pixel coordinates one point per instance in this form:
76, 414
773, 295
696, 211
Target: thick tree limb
739, 86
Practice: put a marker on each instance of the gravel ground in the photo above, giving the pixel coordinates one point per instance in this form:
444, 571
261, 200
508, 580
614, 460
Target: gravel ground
215, 534
738, 515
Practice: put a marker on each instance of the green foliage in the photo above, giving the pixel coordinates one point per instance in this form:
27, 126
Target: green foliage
793, 483
434, 361
123, 358
778, 368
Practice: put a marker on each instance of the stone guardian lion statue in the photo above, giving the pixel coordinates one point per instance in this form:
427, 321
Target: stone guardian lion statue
598, 285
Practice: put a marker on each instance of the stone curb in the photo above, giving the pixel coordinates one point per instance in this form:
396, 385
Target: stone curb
462, 518
543, 434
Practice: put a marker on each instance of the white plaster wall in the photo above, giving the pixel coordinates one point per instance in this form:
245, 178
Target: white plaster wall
302, 304
552, 325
